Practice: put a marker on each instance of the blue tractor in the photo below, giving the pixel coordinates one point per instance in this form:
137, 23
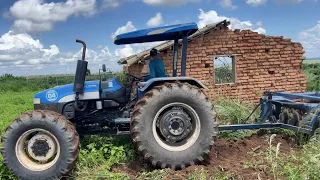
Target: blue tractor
171, 121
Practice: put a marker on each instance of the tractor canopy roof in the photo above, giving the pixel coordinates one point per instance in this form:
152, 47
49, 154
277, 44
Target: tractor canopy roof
157, 34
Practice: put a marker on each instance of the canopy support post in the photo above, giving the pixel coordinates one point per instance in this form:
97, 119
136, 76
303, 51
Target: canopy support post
184, 55
175, 57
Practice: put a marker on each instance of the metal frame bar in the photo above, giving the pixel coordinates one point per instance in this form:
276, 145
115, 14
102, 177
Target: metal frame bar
175, 57
184, 55
264, 126
308, 96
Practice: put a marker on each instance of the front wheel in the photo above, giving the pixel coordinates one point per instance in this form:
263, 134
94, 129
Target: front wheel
174, 126
40, 145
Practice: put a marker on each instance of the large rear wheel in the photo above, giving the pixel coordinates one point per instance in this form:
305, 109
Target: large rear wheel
174, 126
40, 145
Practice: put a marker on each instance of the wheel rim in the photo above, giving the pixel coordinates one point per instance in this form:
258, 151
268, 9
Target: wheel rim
176, 126
37, 149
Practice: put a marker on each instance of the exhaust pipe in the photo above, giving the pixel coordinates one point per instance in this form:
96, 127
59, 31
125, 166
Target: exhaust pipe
84, 48
81, 71
80, 76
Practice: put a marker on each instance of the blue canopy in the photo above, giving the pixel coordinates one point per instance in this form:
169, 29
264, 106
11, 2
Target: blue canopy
156, 34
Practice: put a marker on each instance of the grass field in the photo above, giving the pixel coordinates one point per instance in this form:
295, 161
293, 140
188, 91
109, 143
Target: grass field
104, 157
313, 61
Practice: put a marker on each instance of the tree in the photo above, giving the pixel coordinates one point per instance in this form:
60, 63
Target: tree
88, 72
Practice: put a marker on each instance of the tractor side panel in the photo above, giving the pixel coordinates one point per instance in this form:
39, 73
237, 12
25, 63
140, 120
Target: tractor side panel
65, 93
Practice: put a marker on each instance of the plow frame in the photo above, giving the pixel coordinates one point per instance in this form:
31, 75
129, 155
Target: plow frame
271, 105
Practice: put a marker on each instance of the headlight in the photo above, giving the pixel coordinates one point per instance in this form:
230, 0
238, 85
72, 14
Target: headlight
36, 101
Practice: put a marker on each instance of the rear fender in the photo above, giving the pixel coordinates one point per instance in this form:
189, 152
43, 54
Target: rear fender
145, 86
148, 85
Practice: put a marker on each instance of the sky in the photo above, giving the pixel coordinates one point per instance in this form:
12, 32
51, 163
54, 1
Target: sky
38, 36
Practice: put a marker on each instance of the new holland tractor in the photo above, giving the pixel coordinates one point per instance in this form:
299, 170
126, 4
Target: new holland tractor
171, 121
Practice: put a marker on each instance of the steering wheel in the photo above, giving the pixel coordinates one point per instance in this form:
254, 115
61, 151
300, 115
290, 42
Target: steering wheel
134, 77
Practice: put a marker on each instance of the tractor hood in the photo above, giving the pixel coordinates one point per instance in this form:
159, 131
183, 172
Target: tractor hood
64, 93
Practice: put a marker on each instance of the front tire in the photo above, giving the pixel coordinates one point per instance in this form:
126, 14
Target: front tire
174, 126
40, 145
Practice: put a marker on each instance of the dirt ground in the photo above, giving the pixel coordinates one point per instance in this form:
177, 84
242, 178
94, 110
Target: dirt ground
241, 159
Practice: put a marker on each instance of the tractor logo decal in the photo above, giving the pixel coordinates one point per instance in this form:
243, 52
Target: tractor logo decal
52, 95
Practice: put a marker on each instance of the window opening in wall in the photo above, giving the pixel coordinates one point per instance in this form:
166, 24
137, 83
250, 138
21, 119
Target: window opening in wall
224, 69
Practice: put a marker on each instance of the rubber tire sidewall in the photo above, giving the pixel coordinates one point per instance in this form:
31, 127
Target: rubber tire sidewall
24, 125
194, 99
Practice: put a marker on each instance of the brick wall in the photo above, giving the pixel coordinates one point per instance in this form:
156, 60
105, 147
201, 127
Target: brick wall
262, 63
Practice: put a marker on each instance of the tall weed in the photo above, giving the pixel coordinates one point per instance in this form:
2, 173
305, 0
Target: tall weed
233, 111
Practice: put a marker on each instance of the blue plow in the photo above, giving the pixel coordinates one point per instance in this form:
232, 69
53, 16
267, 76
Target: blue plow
272, 113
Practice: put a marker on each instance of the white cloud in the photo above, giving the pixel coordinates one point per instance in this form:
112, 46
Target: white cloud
124, 29
19, 41
20, 54
209, 17
228, 4
212, 16
110, 3
37, 15
168, 2
256, 3
124, 52
155, 21
235, 23
22, 47
294, 1
23, 25
260, 30
259, 23
310, 39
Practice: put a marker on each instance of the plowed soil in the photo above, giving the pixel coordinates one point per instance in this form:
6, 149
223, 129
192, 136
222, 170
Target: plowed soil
241, 159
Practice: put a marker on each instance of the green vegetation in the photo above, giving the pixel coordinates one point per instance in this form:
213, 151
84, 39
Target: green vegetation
312, 61
302, 165
223, 75
9, 83
99, 155
312, 72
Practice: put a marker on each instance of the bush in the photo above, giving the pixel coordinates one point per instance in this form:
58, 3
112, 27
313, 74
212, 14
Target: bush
103, 152
312, 72
302, 165
233, 111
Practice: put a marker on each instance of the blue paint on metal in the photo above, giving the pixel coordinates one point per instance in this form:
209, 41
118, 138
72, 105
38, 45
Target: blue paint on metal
266, 109
279, 100
112, 85
156, 34
307, 95
263, 126
147, 84
53, 95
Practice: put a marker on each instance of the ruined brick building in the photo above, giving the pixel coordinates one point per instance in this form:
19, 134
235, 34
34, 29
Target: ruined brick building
240, 64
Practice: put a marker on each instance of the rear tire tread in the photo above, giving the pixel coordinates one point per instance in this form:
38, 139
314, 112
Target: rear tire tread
136, 119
